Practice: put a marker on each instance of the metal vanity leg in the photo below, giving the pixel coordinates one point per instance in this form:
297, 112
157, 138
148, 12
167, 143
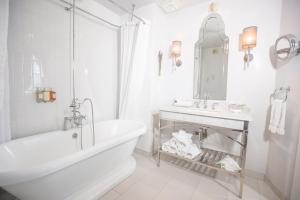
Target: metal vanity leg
243, 156
241, 184
159, 141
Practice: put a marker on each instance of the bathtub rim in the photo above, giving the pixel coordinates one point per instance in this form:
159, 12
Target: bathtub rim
21, 175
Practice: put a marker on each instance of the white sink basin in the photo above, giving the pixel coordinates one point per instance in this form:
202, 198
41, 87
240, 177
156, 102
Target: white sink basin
219, 112
204, 110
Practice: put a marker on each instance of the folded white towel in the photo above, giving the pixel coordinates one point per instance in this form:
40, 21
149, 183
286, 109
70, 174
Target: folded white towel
229, 164
277, 120
183, 136
182, 145
170, 146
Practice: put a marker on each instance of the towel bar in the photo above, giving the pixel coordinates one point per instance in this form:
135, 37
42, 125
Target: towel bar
279, 91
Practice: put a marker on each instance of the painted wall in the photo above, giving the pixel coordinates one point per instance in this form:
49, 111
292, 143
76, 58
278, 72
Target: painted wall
295, 194
252, 86
281, 168
39, 47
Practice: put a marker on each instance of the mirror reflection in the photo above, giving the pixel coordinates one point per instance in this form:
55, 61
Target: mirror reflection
211, 60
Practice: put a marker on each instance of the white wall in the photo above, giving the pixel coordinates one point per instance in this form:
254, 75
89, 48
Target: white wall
295, 193
281, 169
252, 86
43, 29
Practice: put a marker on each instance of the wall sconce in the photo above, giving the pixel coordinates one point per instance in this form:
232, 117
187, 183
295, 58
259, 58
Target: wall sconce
248, 42
176, 52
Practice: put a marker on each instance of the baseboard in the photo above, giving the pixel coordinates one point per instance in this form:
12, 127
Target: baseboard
254, 174
142, 152
274, 189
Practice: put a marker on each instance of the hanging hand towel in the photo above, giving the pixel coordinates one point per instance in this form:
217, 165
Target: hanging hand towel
277, 120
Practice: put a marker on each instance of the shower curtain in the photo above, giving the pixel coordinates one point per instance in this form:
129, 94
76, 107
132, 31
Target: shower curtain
134, 92
4, 88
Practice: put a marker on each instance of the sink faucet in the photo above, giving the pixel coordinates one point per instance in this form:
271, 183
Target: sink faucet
214, 105
206, 97
197, 103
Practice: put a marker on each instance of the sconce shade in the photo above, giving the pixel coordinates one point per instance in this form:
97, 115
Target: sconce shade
176, 48
249, 37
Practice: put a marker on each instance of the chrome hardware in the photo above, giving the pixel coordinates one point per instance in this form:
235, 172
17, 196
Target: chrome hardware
77, 118
93, 121
205, 101
213, 106
277, 94
197, 104
75, 135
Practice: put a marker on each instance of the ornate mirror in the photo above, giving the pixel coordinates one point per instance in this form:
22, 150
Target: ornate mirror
211, 60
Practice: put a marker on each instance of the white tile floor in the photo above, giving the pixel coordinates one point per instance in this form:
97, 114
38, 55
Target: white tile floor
169, 182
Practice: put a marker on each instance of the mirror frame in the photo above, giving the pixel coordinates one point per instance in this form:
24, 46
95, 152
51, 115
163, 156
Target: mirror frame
197, 56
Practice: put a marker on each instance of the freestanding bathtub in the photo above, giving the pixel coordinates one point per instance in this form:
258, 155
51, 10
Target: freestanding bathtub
52, 166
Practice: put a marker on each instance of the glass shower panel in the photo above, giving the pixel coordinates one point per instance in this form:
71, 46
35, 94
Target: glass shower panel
96, 62
39, 57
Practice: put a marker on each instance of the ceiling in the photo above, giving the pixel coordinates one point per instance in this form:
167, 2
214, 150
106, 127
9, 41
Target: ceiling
140, 3
125, 4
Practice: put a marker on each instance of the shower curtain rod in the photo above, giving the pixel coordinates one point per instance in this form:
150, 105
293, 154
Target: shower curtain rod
88, 13
101, 19
127, 11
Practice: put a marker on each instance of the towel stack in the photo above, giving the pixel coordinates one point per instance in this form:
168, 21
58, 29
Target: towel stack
181, 144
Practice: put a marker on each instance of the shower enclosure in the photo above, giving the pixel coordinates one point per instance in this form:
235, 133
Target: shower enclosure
65, 46
40, 43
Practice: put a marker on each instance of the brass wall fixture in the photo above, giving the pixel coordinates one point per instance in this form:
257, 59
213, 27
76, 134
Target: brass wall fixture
45, 95
176, 52
248, 42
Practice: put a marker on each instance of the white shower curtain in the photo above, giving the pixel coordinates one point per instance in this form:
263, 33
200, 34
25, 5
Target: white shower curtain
134, 91
4, 88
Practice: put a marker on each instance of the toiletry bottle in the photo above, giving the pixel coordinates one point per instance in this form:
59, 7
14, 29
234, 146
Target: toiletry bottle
46, 95
39, 95
52, 95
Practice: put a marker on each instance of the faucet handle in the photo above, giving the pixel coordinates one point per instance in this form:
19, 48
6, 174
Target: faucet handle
197, 104
213, 106
75, 104
207, 96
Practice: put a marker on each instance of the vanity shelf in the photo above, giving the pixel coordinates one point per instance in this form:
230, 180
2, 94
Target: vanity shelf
208, 158
202, 122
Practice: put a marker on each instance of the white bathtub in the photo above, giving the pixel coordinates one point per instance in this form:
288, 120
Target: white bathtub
52, 166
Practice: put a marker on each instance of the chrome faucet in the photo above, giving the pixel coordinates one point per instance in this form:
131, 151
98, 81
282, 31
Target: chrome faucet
214, 105
93, 121
76, 120
197, 103
206, 97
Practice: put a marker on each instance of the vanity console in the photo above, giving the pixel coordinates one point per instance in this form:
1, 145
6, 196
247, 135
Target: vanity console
184, 133
201, 123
